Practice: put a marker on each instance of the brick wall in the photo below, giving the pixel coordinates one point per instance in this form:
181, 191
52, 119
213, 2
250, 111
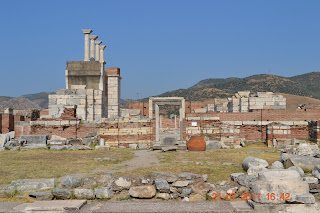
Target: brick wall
266, 115
7, 123
64, 128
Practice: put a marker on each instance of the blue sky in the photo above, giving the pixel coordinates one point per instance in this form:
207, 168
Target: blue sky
158, 45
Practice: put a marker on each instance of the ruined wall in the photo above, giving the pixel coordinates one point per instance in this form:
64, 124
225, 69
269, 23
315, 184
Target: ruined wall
314, 130
7, 121
264, 115
88, 103
86, 73
63, 128
125, 131
113, 92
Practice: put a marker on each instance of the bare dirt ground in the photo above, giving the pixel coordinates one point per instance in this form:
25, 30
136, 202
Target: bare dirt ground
142, 158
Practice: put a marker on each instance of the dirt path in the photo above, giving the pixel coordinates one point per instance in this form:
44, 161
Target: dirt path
143, 158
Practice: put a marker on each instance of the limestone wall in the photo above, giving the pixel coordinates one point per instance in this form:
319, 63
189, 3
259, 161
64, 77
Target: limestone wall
88, 103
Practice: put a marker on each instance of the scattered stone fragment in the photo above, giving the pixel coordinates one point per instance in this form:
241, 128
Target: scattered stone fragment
311, 180
103, 192
246, 180
277, 165
186, 192
169, 148
316, 171
123, 183
181, 183
164, 196
142, 146
298, 169
58, 148
133, 146
254, 162
162, 185
234, 176
196, 198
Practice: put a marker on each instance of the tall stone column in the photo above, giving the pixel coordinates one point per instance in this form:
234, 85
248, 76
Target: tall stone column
92, 46
97, 43
86, 44
150, 108
156, 106
102, 53
181, 124
175, 121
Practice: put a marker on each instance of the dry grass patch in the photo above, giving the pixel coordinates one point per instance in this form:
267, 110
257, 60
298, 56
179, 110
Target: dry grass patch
34, 164
174, 161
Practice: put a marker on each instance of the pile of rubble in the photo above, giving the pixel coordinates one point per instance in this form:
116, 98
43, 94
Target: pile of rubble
159, 185
274, 188
26, 142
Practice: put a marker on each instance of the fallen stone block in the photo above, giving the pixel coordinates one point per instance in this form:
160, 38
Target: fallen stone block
31, 184
3, 140
102, 147
162, 185
254, 162
58, 148
283, 185
76, 141
311, 180
306, 163
306, 149
213, 145
316, 171
42, 195
133, 146
35, 139
169, 148
51, 206
62, 194
86, 194
142, 146
142, 191
71, 182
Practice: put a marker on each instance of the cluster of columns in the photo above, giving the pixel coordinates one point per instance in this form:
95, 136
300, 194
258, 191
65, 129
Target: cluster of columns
92, 49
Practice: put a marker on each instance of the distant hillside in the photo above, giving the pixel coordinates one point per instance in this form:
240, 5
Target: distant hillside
30, 101
307, 85
293, 101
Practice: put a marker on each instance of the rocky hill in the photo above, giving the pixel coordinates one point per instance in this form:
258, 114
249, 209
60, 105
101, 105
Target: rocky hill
30, 101
307, 85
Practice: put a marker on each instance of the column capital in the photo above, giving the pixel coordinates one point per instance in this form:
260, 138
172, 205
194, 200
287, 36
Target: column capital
98, 42
102, 47
86, 31
93, 37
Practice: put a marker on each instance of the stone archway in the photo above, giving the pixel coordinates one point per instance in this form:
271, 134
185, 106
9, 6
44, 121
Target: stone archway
161, 101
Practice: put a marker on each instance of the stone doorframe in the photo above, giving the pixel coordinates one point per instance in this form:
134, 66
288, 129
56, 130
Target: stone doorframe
161, 101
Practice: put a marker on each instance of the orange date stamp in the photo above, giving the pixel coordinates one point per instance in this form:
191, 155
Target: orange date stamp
252, 196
